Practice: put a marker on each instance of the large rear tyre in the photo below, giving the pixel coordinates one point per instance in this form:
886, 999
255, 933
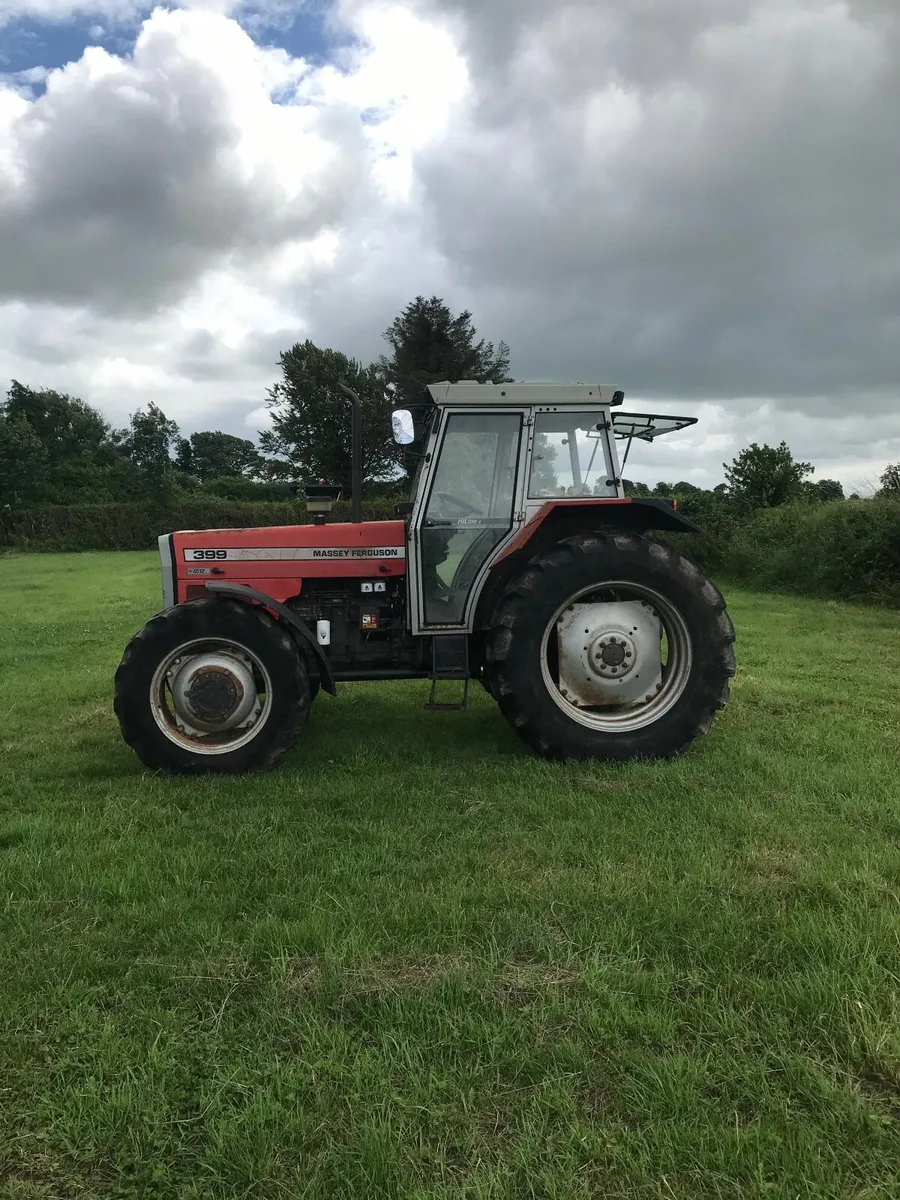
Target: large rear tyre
211, 686
610, 646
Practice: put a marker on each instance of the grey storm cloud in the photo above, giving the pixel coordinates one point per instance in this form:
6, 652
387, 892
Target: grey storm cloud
699, 198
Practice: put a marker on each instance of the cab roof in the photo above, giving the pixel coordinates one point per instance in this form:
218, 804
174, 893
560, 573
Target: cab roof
524, 395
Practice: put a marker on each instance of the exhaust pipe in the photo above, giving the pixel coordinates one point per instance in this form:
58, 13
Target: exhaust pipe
356, 453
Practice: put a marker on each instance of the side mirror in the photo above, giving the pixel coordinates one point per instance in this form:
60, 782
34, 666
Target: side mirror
402, 425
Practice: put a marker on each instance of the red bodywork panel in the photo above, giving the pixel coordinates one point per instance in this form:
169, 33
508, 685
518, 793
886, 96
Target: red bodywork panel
530, 529
276, 559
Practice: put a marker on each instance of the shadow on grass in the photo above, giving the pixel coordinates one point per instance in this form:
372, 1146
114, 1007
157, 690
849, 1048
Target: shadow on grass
374, 727
391, 722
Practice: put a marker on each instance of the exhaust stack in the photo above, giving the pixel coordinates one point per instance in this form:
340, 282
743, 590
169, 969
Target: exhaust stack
356, 452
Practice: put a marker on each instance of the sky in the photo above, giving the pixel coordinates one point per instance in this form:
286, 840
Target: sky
694, 201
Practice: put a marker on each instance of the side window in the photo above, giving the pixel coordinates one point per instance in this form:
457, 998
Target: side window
470, 508
569, 456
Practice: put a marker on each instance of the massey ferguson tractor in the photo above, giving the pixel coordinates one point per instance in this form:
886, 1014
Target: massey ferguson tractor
519, 562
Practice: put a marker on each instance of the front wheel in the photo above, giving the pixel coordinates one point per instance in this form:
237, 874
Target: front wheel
610, 646
211, 686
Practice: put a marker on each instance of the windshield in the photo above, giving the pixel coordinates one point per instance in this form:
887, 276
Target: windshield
647, 426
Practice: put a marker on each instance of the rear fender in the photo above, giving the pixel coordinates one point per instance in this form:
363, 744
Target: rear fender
300, 631
635, 514
560, 519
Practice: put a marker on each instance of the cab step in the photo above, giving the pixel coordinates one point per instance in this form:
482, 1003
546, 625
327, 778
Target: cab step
449, 664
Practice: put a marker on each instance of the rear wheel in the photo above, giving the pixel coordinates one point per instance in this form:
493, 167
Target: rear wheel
610, 646
211, 686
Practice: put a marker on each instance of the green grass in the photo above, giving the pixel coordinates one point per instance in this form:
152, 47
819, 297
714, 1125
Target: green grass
418, 962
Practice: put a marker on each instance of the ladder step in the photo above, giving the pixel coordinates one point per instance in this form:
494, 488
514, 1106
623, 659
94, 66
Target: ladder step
450, 656
443, 705
449, 663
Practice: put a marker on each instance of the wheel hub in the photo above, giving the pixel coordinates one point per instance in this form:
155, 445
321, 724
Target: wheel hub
609, 653
213, 692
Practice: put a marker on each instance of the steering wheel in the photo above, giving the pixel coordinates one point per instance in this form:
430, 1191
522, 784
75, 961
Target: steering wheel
462, 505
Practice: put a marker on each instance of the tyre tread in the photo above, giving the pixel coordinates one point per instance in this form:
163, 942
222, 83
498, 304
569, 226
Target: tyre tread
513, 614
193, 618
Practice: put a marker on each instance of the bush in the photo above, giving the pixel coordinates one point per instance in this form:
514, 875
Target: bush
137, 526
717, 519
849, 549
846, 549
230, 487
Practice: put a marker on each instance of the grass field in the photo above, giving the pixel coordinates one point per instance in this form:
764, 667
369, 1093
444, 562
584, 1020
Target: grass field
417, 962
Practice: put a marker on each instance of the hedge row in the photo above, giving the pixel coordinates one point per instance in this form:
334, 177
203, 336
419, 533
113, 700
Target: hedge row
137, 526
847, 549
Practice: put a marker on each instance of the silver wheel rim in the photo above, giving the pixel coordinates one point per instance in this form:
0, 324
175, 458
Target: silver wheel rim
675, 672
241, 690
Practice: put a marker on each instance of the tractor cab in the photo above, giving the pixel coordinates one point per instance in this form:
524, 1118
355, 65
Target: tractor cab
495, 460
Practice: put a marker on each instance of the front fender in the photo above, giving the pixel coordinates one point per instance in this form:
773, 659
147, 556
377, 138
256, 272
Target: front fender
299, 628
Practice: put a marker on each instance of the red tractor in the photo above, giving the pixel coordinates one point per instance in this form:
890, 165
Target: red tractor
518, 562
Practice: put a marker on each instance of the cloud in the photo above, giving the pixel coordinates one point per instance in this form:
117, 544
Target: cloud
700, 197
115, 11
172, 219
23, 83
694, 201
132, 177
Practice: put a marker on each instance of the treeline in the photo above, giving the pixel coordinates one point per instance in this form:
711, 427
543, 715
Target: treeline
69, 481
57, 450
845, 549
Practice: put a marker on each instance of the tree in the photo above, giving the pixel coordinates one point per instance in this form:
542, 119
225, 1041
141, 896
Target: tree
633, 488
22, 462
829, 489
890, 482
217, 455
766, 476
59, 450
66, 427
149, 441
311, 418
428, 345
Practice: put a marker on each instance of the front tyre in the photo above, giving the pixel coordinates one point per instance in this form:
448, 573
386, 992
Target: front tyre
610, 646
211, 686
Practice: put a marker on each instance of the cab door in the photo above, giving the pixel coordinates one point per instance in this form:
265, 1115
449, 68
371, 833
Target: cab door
468, 506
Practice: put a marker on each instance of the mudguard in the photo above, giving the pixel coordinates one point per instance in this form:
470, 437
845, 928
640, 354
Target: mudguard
636, 514
239, 591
